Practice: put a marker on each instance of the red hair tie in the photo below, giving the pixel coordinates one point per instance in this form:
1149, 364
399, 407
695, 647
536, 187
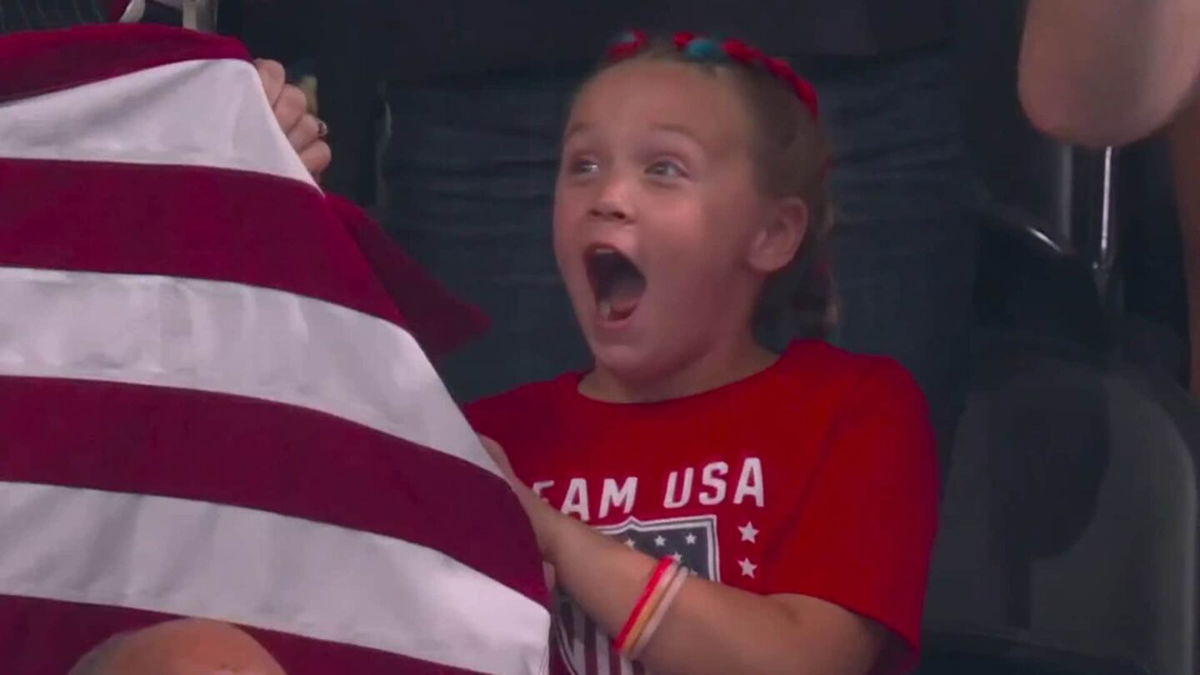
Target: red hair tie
630, 43
780, 69
740, 51
682, 39
804, 90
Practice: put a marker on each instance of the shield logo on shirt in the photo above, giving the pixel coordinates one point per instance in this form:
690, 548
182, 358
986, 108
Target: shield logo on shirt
585, 647
691, 541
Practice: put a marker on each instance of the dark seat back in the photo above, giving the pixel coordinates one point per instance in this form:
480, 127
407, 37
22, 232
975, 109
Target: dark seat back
1070, 518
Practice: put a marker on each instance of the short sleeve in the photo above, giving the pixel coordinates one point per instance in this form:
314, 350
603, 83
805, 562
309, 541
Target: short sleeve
863, 527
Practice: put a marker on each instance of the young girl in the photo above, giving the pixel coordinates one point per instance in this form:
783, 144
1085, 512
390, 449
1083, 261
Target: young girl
708, 506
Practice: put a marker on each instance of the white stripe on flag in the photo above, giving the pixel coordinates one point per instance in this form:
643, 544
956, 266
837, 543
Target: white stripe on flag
602, 652
582, 632
193, 113
232, 339
264, 570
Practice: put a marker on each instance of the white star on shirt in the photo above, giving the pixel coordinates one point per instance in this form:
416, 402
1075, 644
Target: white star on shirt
629, 543
749, 533
678, 557
659, 541
747, 567
691, 539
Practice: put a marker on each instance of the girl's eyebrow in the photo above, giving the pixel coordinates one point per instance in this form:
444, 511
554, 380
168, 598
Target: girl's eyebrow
680, 130
576, 128
676, 129
580, 128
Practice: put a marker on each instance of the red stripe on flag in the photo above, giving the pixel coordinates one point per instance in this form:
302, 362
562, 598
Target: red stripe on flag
45, 637
267, 456
221, 225
38, 62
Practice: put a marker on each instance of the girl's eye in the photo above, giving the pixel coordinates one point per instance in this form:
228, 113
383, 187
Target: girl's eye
666, 169
581, 166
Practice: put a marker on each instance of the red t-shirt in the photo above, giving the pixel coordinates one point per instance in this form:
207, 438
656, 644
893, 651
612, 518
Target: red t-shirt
817, 476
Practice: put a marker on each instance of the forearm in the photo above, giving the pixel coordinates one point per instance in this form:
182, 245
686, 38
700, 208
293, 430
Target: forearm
710, 628
1107, 72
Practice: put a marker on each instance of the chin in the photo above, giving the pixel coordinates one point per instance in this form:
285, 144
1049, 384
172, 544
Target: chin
641, 367
626, 362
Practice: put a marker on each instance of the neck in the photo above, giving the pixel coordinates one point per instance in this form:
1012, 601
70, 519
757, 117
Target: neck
718, 366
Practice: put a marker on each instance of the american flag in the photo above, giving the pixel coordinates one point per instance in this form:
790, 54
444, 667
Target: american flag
584, 646
212, 396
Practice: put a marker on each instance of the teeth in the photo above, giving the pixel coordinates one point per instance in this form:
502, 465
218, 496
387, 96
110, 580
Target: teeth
606, 309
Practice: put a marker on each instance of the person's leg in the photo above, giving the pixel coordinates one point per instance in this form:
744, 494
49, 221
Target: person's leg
905, 243
1184, 139
469, 182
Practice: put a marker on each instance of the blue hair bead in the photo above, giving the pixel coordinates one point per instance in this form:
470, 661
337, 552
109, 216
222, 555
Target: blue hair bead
704, 49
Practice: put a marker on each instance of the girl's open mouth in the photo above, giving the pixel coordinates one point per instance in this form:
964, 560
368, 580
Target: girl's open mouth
617, 283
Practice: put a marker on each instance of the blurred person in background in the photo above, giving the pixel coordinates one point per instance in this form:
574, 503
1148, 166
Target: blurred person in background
1111, 72
1184, 142
1108, 72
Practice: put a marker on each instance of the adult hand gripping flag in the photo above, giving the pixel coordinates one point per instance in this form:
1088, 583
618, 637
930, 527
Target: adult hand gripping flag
214, 401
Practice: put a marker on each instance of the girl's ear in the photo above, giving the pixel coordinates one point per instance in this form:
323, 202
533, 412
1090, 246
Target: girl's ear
780, 236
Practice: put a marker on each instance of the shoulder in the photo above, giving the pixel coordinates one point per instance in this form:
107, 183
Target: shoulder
871, 410
847, 379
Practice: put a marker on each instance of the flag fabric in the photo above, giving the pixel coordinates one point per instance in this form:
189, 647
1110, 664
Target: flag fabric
214, 400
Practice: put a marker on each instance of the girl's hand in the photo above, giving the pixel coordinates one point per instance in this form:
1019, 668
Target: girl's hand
534, 507
497, 454
304, 131
546, 520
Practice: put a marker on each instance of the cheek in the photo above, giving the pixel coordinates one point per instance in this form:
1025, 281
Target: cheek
701, 257
678, 224
703, 237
